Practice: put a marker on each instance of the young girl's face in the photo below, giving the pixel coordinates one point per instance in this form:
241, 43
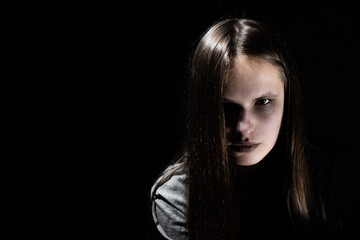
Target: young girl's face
253, 100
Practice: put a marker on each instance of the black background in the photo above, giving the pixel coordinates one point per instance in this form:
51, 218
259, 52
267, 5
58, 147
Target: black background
91, 102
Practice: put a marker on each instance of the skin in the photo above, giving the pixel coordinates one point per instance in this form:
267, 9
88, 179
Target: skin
253, 104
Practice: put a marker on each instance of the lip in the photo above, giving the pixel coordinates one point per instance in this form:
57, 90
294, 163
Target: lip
243, 147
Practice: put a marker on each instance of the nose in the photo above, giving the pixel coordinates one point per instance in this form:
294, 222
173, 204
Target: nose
245, 124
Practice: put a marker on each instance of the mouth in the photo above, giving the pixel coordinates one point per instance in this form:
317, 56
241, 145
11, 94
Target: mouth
243, 148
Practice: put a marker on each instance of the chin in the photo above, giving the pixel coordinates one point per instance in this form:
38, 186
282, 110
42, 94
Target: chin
243, 160
246, 163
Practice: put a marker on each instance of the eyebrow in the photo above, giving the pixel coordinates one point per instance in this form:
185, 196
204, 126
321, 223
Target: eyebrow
268, 94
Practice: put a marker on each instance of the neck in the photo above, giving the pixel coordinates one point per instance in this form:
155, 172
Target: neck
262, 176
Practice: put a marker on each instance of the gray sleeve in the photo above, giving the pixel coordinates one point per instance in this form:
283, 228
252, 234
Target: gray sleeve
169, 208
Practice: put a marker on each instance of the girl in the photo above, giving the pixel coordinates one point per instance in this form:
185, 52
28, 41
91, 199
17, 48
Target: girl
244, 169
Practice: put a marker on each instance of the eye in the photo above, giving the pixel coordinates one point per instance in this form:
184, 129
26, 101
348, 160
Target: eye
231, 112
230, 109
264, 101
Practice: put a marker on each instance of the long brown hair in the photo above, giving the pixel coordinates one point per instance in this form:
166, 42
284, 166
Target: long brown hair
210, 185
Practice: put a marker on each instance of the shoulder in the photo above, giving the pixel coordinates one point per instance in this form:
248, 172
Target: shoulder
172, 181
169, 202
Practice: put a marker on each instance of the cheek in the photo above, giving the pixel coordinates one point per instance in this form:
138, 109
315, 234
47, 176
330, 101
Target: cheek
269, 126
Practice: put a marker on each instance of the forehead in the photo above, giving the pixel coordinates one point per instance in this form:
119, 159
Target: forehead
251, 75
